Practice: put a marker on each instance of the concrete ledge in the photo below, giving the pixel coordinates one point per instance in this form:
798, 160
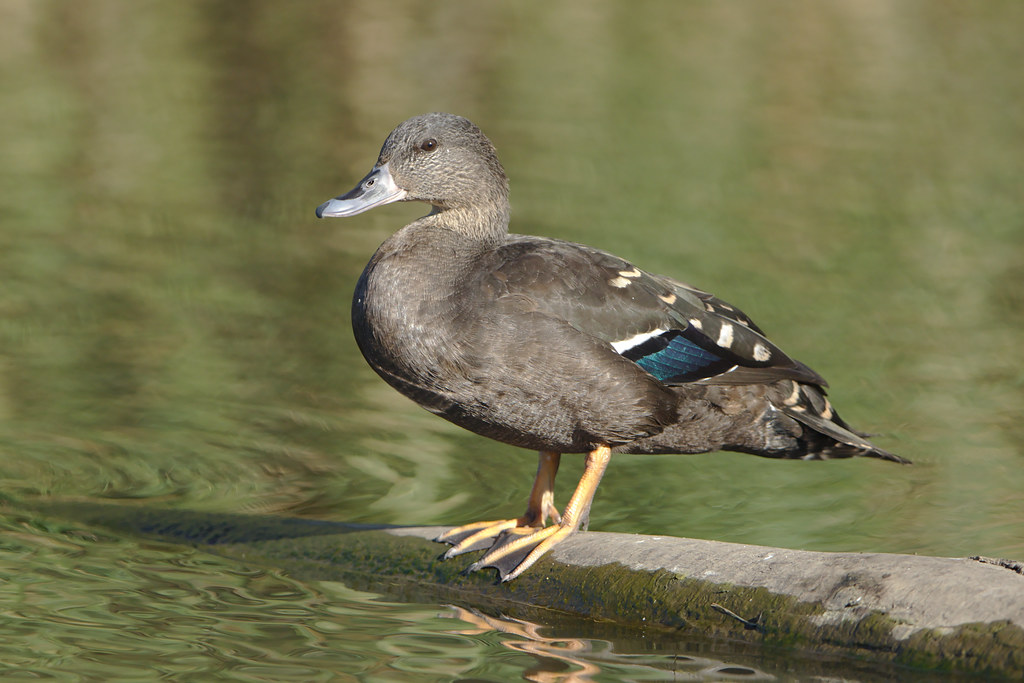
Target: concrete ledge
950, 614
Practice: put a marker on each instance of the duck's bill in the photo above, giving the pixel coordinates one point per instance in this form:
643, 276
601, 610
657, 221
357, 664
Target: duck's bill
375, 189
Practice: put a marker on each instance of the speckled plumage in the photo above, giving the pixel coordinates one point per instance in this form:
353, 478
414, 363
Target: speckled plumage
557, 346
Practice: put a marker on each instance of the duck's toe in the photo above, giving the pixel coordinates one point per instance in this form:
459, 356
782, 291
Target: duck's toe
518, 549
476, 536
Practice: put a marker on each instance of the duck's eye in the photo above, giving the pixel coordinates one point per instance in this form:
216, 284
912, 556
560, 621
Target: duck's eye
429, 145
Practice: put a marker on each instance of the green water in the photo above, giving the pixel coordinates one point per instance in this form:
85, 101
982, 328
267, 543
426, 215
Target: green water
174, 320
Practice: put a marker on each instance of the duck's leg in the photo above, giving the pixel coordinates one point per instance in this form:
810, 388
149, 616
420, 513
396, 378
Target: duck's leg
512, 554
476, 536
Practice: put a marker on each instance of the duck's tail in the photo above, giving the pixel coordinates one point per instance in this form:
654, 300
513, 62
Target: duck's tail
824, 435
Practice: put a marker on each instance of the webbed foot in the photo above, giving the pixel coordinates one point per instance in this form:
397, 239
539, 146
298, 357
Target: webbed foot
475, 536
517, 550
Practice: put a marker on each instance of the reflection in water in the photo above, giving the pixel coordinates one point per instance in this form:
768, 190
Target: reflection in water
82, 604
574, 660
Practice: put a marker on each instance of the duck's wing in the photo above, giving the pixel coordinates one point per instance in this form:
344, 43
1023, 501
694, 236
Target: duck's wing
675, 332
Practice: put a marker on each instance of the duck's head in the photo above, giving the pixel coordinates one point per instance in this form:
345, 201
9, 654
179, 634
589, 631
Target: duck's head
442, 159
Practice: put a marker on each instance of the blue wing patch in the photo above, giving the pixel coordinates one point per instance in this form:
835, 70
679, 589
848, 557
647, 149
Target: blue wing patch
671, 357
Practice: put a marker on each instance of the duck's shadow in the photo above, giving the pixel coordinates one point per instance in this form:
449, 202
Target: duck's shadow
192, 527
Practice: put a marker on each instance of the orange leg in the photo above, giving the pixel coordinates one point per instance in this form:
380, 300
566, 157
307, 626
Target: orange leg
541, 506
512, 554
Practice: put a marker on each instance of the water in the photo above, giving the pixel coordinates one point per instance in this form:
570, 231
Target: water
174, 320
84, 605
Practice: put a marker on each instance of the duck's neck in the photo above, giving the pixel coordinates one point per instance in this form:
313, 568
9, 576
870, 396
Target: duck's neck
484, 223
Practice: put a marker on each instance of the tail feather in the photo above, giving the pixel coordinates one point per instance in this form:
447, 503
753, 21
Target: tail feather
828, 435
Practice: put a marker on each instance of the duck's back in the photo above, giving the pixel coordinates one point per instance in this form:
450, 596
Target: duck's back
557, 346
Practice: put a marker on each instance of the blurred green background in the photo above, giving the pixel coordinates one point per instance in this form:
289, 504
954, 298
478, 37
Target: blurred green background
174, 320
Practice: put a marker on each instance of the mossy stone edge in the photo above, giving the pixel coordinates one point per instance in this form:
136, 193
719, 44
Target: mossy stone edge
401, 566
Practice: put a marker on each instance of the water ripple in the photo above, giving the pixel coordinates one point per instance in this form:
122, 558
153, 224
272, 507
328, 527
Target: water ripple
87, 606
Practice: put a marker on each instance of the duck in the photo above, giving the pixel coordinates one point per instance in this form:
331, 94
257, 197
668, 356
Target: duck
558, 347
